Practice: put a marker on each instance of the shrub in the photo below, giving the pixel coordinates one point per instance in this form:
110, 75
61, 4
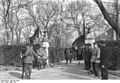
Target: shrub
112, 51
11, 55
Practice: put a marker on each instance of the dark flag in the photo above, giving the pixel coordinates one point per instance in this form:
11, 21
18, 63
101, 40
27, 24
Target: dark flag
36, 34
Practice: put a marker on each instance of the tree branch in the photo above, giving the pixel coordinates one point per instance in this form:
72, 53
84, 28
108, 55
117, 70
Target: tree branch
106, 15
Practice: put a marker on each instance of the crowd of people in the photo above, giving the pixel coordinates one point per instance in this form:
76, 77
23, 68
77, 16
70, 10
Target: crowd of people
28, 55
91, 54
93, 61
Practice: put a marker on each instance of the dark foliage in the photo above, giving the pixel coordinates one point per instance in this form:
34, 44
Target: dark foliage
110, 54
10, 55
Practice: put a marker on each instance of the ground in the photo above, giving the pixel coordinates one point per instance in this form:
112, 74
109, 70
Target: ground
62, 71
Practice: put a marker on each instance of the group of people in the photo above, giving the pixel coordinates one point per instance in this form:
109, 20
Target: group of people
93, 58
90, 53
73, 53
93, 64
28, 55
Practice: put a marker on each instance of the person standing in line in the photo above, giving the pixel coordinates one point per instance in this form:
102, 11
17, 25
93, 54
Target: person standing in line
23, 62
28, 60
95, 59
74, 53
80, 54
67, 55
103, 62
87, 57
39, 59
44, 57
70, 56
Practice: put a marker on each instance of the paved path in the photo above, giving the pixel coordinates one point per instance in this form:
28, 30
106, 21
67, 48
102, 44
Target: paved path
72, 71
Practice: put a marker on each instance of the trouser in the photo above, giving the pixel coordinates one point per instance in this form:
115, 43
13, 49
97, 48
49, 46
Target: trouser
44, 62
28, 70
70, 59
74, 55
66, 60
95, 68
39, 63
23, 70
87, 65
104, 73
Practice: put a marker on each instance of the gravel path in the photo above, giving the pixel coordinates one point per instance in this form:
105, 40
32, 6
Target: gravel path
72, 71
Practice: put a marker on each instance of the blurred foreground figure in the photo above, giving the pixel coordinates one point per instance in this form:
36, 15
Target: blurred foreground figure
28, 61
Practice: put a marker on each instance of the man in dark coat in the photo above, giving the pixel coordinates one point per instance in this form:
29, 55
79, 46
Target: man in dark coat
28, 61
73, 53
23, 62
87, 57
79, 54
103, 62
68, 55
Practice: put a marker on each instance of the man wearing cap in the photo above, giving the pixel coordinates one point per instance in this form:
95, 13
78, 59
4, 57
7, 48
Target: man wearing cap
95, 59
29, 60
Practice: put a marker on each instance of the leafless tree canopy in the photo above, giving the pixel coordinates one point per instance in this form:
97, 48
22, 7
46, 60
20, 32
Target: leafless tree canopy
25, 20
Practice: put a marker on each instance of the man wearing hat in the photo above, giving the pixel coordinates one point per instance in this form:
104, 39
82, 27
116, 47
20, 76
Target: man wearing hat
28, 60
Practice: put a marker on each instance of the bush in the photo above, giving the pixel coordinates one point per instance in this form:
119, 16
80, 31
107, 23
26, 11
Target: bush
111, 51
10, 55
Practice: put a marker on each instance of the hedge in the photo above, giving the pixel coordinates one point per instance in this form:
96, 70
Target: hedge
112, 53
10, 55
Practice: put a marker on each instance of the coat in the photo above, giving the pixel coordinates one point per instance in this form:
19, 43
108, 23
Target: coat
68, 54
88, 55
95, 55
29, 56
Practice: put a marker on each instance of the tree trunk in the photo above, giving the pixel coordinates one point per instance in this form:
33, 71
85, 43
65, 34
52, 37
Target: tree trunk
117, 15
106, 15
4, 41
6, 27
84, 34
12, 38
16, 26
19, 38
6, 18
57, 49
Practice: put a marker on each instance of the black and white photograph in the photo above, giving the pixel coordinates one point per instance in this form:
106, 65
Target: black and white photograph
59, 40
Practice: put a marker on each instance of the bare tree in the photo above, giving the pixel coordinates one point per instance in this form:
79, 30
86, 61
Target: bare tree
27, 25
107, 16
78, 11
6, 7
47, 14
